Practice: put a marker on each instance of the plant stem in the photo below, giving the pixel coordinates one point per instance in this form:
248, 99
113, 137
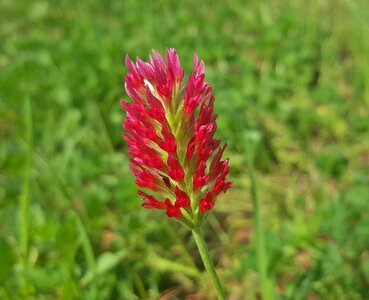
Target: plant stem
24, 200
266, 287
260, 240
209, 266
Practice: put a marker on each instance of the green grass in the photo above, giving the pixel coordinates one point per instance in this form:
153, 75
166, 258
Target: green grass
294, 73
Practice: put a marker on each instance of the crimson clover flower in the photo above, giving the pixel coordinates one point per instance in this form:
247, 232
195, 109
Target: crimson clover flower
169, 129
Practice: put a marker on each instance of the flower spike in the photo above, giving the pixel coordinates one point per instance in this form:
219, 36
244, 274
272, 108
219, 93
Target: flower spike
169, 129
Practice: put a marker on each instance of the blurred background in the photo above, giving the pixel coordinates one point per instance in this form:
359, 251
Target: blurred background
290, 77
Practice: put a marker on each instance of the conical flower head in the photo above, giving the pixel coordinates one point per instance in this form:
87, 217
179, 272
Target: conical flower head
169, 130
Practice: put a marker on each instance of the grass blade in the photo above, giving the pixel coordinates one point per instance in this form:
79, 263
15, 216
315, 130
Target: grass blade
24, 200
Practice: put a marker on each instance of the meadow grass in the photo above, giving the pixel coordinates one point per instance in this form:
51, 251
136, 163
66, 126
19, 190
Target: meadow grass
293, 74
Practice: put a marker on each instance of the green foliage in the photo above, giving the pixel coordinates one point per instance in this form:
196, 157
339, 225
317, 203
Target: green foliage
293, 73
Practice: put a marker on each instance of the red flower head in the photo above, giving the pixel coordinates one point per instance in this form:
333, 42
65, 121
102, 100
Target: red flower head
169, 130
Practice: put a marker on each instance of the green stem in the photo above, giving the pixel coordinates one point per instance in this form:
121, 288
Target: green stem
259, 235
265, 283
209, 266
24, 200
